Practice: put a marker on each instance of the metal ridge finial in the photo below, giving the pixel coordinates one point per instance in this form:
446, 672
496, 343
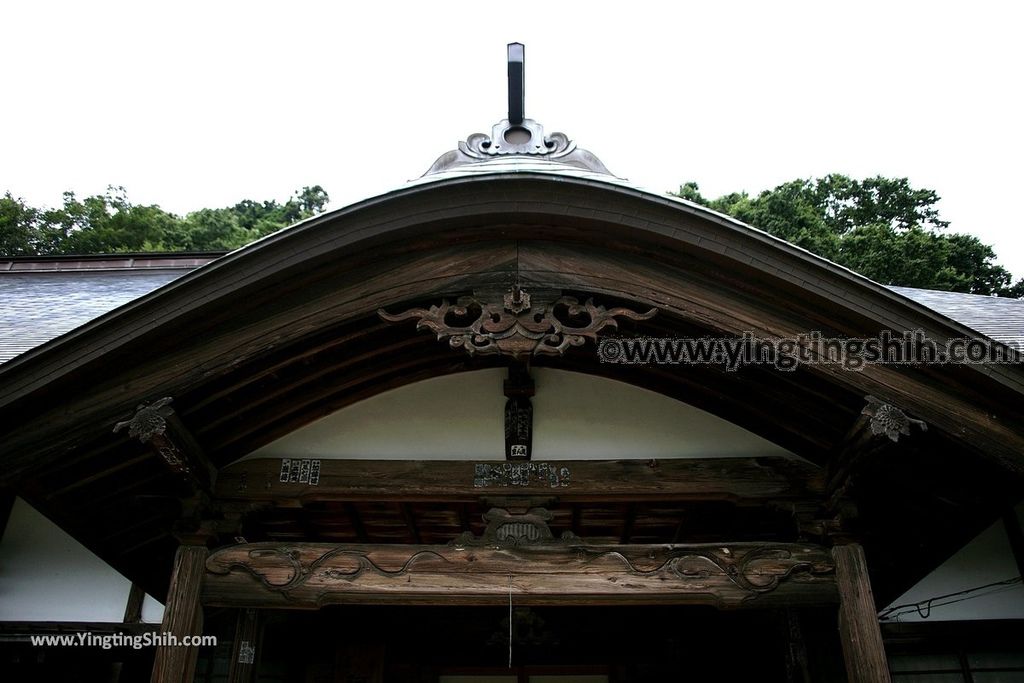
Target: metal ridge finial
517, 135
516, 83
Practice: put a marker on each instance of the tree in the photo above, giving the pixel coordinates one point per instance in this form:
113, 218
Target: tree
880, 227
19, 227
110, 223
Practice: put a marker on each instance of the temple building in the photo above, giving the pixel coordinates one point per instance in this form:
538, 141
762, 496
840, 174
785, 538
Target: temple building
416, 439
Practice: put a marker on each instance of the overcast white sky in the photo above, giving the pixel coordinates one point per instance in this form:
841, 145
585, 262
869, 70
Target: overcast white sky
197, 104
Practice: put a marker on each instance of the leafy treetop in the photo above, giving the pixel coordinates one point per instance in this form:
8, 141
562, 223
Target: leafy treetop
879, 227
109, 223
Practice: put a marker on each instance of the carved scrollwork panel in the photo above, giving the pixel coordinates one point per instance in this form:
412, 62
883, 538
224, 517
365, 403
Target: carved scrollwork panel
516, 326
310, 575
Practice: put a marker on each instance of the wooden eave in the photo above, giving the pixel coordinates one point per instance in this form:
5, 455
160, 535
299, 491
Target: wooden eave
280, 333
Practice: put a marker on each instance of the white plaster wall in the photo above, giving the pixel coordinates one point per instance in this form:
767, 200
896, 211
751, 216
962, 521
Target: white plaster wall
987, 559
46, 575
576, 417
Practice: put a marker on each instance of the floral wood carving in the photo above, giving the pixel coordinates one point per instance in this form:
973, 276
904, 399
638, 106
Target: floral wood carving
516, 326
889, 420
149, 425
149, 420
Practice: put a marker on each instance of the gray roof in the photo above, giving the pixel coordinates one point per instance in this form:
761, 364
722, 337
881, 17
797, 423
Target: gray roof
42, 299
998, 318
39, 305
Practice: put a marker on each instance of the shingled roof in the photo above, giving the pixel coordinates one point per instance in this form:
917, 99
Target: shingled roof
41, 299
997, 318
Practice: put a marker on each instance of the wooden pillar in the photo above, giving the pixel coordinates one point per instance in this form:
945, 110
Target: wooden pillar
243, 650
133, 608
183, 616
797, 667
861, 636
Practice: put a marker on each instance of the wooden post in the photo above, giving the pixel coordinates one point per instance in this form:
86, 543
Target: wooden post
863, 650
133, 608
183, 617
243, 650
797, 667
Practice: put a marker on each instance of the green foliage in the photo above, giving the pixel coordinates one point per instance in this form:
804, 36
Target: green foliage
18, 232
880, 227
110, 223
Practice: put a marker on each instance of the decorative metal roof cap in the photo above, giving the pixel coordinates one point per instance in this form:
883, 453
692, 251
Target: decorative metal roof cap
517, 135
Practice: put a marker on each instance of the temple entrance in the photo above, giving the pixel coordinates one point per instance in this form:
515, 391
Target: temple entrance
549, 644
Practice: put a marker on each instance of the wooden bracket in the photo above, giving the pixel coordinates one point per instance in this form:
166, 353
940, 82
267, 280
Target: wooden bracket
876, 433
157, 425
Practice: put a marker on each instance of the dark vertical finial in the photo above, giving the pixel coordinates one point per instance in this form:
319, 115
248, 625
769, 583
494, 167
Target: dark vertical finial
516, 83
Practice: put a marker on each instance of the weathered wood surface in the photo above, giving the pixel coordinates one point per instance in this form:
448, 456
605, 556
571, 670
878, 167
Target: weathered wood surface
310, 575
243, 650
755, 479
863, 650
183, 617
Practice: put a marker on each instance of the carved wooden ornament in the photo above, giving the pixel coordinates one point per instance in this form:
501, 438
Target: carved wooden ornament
516, 326
316, 574
149, 425
889, 420
505, 529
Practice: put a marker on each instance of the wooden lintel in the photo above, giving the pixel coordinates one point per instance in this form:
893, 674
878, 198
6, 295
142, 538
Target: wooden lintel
753, 479
310, 575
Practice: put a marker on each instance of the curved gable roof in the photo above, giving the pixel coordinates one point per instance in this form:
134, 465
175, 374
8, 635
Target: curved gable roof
271, 337
539, 222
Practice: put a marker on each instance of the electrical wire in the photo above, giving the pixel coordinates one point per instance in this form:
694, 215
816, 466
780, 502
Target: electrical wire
924, 607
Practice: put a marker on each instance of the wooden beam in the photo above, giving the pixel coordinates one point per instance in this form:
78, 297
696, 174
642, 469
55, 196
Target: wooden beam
754, 479
863, 650
183, 616
310, 575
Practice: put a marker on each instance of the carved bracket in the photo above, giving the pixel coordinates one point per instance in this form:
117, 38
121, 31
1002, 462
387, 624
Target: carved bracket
516, 326
157, 425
